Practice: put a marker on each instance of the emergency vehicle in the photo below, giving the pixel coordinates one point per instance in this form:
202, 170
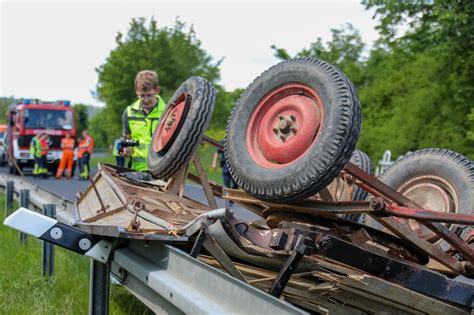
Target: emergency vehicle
28, 118
3, 131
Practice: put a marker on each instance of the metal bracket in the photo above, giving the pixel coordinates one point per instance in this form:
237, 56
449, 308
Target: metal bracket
304, 246
204, 239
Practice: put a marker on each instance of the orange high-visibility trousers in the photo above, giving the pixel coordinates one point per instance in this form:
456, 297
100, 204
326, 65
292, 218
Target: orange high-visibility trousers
66, 159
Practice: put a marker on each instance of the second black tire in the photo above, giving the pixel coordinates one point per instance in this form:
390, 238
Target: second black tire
181, 147
363, 161
323, 160
437, 179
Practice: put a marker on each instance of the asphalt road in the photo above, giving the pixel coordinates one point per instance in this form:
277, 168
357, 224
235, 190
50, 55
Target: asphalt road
68, 188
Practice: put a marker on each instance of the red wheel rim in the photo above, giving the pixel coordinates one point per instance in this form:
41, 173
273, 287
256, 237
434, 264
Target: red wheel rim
284, 125
169, 123
433, 193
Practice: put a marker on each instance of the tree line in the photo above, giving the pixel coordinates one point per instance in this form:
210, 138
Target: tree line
416, 87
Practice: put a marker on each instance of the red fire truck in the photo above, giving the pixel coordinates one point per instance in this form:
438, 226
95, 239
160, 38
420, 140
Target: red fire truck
28, 118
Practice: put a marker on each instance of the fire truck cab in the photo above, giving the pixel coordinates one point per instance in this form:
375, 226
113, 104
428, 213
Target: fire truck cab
27, 119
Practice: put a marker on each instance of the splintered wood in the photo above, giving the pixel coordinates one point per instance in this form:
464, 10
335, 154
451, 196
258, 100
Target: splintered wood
333, 292
110, 198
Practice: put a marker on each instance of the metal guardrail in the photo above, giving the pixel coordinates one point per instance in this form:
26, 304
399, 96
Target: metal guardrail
40, 196
164, 278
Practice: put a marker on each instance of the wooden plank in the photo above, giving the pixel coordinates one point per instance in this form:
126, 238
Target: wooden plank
400, 294
123, 219
385, 301
369, 305
176, 184
322, 287
113, 185
204, 182
102, 215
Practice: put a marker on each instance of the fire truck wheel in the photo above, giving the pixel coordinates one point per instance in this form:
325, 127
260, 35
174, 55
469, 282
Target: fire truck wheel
363, 161
436, 179
292, 131
181, 127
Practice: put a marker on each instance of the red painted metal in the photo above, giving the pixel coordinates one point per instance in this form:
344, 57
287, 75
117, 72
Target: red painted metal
428, 215
379, 189
442, 197
284, 125
168, 125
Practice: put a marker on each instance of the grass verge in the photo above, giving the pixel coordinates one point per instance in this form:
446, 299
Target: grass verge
23, 290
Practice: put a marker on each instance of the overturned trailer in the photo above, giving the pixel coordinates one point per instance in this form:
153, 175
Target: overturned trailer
329, 238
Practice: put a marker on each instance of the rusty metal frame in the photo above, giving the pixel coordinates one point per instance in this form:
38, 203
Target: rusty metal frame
394, 205
375, 187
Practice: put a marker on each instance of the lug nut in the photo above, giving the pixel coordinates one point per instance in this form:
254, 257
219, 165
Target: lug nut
275, 130
292, 117
281, 117
294, 130
283, 138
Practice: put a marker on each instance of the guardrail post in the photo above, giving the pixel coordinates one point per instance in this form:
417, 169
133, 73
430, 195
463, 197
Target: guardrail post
49, 210
99, 288
9, 198
25, 203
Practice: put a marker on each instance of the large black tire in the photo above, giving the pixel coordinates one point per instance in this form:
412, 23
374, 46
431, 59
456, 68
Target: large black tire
326, 156
166, 162
427, 174
363, 161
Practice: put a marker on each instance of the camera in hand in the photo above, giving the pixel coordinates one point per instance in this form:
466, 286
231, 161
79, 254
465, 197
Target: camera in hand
126, 143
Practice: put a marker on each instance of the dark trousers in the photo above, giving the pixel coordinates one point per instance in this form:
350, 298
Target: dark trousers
120, 161
229, 182
84, 167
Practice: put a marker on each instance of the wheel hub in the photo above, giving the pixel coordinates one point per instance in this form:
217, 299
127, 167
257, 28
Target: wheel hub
433, 193
285, 128
284, 125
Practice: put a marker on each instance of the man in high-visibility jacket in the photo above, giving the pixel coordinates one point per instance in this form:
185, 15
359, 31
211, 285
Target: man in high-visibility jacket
43, 161
140, 119
84, 153
67, 158
35, 152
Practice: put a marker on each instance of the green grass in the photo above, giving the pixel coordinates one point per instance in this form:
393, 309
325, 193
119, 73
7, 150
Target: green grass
23, 290
96, 158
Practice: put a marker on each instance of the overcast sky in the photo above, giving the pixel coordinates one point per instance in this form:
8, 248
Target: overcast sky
49, 50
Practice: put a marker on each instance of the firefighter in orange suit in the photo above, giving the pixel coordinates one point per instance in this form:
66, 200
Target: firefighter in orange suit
84, 153
67, 145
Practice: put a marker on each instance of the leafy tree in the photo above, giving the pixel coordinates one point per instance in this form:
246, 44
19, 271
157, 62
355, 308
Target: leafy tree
416, 87
99, 128
343, 50
224, 104
5, 102
420, 83
82, 117
175, 53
